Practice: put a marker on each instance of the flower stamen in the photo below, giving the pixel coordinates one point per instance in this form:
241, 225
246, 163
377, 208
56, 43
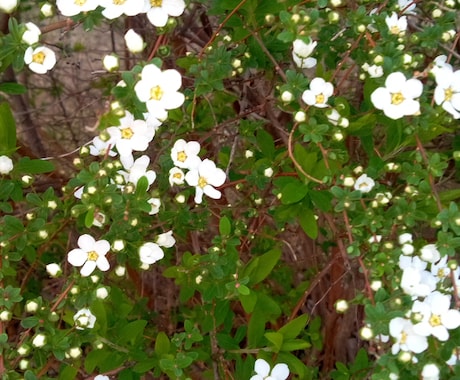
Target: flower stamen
397, 98
93, 256
156, 93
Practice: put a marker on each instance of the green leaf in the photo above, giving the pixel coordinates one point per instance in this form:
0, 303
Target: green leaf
248, 301
30, 322
307, 160
94, 358
276, 339
29, 375
225, 226
145, 365
7, 130
68, 373
28, 166
89, 218
132, 331
308, 222
266, 263
12, 225
293, 192
142, 185
12, 88
295, 344
286, 36
162, 344
293, 328
265, 143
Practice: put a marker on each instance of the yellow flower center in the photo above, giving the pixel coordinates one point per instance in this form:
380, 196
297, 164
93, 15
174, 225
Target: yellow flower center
395, 29
397, 98
156, 3
92, 256
39, 57
320, 99
435, 320
127, 133
177, 175
448, 94
403, 338
442, 272
80, 2
119, 2
156, 93
202, 182
181, 156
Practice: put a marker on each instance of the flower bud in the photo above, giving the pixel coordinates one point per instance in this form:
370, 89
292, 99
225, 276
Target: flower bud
111, 62
134, 41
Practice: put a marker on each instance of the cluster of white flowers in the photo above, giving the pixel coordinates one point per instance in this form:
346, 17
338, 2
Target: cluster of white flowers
203, 175
301, 52
426, 277
157, 11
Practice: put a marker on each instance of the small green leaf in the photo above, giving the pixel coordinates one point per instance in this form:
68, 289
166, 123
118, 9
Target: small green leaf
293, 328
7, 130
68, 373
293, 192
276, 339
243, 290
295, 344
12, 88
28, 166
225, 226
162, 344
29, 375
266, 263
132, 331
142, 185
12, 225
30, 322
248, 301
286, 36
308, 222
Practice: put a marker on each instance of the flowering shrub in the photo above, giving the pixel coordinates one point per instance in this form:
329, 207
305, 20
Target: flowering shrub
270, 191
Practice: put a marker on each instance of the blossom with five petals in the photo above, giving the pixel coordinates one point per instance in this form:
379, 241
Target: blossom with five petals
262, 369
137, 170
396, 25
90, 255
158, 89
185, 154
149, 253
205, 177
84, 319
40, 60
406, 338
364, 183
397, 98
447, 91
72, 8
437, 316
319, 93
115, 8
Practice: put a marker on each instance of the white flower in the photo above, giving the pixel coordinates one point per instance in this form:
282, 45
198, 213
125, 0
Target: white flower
115, 8
159, 10
150, 253
268, 172
158, 89
176, 176
262, 369
374, 71
430, 253
72, 8
407, 249
100, 147
111, 62
6, 164
364, 183
31, 307
84, 319
90, 255
8, 6
319, 93
447, 91
406, 338
166, 240
74, 352
437, 316
405, 238
138, 170
131, 135
32, 34
366, 333
301, 52
134, 41
39, 340
440, 63
155, 203
407, 6
205, 178
341, 306
396, 25
101, 377
415, 281
40, 59
54, 270
185, 154
430, 371
396, 99
5, 316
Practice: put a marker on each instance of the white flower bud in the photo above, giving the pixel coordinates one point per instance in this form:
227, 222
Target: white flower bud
180, 198
23, 364
75, 352
268, 172
31, 307
54, 269
300, 116
118, 245
5, 315
111, 62
102, 293
134, 41
47, 10
366, 333
341, 306
249, 154
287, 96
6, 164
120, 271
436, 13
376, 285
23, 349
8, 6
39, 340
